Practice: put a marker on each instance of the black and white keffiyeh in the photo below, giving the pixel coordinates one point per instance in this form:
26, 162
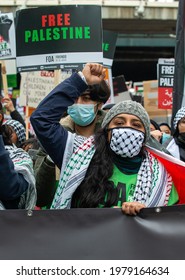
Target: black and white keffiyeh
153, 185
18, 128
179, 115
126, 142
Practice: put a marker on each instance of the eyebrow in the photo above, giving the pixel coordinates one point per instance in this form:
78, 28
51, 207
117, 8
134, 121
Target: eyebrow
133, 119
85, 95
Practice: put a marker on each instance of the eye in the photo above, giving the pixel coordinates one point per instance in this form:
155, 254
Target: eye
86, 98
138, 125
183, 120
119, 123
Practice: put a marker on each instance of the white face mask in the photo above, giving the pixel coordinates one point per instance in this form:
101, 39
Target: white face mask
126, 142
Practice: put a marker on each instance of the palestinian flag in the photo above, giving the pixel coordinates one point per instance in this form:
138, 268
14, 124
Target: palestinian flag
176, 168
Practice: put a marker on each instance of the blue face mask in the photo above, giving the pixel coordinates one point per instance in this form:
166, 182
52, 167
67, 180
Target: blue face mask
82, 114
165, 137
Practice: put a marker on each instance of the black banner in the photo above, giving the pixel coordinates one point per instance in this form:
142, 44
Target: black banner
93, 234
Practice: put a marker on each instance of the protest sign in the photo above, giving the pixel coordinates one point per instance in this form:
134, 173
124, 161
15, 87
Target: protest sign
165, 82
7, 36
58, 37
109, 45
36, 85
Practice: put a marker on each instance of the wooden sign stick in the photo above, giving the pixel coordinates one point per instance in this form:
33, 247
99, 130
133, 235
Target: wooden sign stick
4, 78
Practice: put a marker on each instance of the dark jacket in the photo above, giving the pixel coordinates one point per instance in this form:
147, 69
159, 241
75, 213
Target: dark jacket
12, 183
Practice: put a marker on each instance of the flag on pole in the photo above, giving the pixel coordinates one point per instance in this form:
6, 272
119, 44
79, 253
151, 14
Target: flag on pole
179, 75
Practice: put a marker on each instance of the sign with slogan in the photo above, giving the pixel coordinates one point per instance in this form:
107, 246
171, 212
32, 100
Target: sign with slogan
58, 37
109, 45
166, 68
150, 94
7, 36
36, 85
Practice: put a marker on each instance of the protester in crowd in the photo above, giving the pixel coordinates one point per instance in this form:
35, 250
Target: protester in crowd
18, 132
156, 136
176, 145
110, 169
83, 118
17, 186
154, 140
166, 130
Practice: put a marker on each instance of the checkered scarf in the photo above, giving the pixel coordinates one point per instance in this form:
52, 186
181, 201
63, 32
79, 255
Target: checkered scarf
179, 115
126, 142
23, 164
153, 182
18, 128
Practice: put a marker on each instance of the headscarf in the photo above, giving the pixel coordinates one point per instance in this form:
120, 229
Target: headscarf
18, 128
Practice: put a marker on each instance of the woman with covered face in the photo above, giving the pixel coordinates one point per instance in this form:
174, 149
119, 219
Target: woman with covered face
109, 169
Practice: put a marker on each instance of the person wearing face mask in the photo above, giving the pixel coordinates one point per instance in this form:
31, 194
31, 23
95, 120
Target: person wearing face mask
109, 169
177, 144
85, 115
84, 118
166, 130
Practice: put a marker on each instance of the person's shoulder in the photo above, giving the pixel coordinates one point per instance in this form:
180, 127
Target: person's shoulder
67, 123
167, 142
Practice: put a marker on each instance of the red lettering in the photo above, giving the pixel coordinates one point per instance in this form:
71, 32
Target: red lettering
55, 20
67, 19
51, 20
44, 20
59, 20
47, 74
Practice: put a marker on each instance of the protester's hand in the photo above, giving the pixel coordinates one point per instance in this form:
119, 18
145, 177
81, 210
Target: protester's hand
94, 73
132, 208
157, 134
8, 104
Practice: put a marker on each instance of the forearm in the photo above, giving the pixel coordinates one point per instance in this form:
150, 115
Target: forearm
15, 115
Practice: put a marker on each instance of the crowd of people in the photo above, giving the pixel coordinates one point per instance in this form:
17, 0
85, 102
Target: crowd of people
86, 154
